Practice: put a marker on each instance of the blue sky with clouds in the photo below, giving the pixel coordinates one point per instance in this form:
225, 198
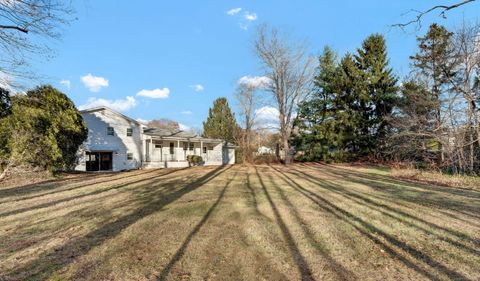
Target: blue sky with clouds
153, 59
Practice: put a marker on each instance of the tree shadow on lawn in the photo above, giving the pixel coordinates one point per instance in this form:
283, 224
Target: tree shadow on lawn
337, 268
181, 251
54, 185
389, 211
302, 265
371, 232
466, 202
152, 201
85, 212
454, 191
96, 192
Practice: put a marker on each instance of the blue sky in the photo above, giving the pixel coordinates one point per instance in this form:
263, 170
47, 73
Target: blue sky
171, 59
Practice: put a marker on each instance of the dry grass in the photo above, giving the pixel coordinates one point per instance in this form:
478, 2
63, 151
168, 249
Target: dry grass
459, 181
301, 222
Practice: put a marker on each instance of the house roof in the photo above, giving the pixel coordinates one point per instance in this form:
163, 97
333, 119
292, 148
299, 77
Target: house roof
100, 108
156, 132
168, 134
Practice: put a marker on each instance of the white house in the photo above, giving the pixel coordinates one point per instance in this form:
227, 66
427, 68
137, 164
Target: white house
116, 142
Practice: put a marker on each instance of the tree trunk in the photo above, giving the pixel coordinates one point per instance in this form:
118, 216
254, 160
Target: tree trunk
286, 151
5, 171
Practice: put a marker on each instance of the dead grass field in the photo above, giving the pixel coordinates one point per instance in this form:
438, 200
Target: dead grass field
301, 222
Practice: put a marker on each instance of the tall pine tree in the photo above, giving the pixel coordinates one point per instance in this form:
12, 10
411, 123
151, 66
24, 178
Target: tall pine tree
220, 123
435, 63
377, 92
346, 115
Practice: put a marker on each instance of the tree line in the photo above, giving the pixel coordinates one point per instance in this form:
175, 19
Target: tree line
356, 108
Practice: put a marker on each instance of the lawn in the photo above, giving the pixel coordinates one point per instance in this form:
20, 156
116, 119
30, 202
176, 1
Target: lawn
301, 222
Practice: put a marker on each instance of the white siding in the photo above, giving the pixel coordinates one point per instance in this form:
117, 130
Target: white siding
120, 144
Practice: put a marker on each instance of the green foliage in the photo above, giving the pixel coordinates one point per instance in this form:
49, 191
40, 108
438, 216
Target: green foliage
194, 159
45, 129
414, 137
5, 103
5, 111
435, 58
220, 123
345, 118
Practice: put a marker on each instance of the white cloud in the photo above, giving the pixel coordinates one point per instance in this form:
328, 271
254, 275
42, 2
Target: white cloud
143, 121
197, 87
234, 11
266, 118
258, 82
155, 94
187, 112
94, 83
119, 105
6, 81
244, 19
66, 83
183, 127
250, 16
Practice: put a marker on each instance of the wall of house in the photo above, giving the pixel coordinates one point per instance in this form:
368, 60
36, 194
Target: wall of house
120, 144
228, 155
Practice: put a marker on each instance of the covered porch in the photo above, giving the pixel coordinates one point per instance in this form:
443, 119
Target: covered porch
173, 152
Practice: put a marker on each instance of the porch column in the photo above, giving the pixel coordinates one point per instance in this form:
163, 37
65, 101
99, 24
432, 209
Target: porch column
177, 150
201, 148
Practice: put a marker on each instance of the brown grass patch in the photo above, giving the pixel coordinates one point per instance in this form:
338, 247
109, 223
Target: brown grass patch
269, 222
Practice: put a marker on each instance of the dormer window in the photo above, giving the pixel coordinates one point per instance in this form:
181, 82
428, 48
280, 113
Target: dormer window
129, 132
110, 131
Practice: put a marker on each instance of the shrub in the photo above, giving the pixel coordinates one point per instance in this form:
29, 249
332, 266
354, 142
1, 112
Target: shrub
194, 159
197, 159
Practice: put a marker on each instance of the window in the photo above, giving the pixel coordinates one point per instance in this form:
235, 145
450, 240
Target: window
191, 146
129, 132
158, 146
129, 156
172, 145
204, 149
185, 146
110, 131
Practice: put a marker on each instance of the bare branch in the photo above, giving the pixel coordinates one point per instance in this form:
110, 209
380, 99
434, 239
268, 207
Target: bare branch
14, 27
444, 9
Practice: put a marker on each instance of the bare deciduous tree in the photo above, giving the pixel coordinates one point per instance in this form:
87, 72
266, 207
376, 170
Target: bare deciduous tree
466, 42
248, 100
26, 26
164, 123
290, 70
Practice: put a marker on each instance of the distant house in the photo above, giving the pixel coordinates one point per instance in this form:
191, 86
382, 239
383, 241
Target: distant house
263, 150
116, 142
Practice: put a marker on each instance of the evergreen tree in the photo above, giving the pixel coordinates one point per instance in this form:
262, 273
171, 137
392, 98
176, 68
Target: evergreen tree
316, 114
377, 92
346, 115
435, 64
5, 103
45, 129
5, 110
414, 134
220, 123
